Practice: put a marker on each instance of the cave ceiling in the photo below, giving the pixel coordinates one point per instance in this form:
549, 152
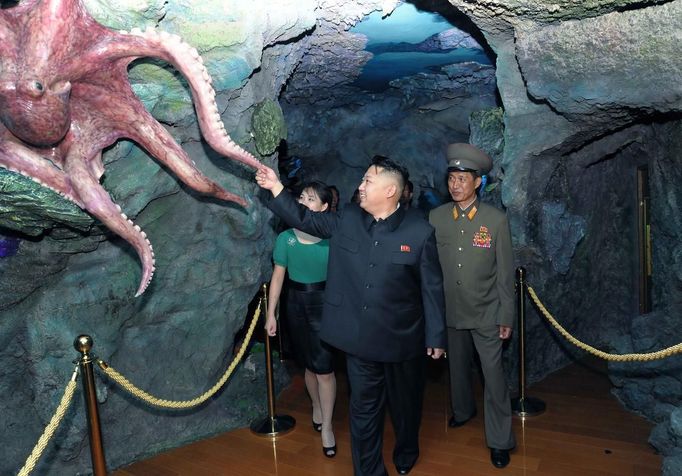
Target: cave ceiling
345, 66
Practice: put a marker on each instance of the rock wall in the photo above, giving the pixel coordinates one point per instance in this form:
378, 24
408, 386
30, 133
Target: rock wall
654, 389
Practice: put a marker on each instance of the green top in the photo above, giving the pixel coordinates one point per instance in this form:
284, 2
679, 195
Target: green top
306, 263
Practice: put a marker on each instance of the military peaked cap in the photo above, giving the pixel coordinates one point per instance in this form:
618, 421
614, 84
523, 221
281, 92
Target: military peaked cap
467, 158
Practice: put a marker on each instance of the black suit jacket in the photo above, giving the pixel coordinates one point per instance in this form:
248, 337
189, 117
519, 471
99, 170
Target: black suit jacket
384, 296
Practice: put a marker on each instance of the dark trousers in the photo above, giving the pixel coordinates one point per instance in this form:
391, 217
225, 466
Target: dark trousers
496, 404
373, 384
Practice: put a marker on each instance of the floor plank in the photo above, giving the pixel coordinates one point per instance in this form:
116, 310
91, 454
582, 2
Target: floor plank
584, 432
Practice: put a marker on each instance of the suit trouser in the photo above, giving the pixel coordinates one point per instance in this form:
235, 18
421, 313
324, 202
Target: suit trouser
373, 384
496, 403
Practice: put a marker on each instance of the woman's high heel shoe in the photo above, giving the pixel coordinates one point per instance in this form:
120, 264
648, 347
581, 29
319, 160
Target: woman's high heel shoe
317, 426
329, 451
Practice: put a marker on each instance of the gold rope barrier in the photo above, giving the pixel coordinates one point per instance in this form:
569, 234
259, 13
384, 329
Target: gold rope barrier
672, 350
175, 404
51, 427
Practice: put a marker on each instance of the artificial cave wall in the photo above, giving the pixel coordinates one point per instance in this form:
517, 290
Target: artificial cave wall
579, 95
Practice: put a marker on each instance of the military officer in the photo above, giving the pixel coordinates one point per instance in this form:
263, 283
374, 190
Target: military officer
475, 253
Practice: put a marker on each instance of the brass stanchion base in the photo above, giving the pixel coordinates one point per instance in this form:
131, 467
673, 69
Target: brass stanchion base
527, 407
273, 427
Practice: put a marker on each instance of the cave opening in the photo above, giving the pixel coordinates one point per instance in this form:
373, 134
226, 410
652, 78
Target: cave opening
403, 85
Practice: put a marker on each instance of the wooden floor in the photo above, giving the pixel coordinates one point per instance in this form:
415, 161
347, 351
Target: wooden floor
583, 432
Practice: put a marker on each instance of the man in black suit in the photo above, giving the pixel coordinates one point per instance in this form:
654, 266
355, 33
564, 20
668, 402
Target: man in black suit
384, 307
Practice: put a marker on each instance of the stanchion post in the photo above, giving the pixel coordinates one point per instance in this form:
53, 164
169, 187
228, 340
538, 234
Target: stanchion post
273, 425
268, 357
83, 344
523, 406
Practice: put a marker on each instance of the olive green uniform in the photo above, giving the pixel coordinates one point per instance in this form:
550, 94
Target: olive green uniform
475, 253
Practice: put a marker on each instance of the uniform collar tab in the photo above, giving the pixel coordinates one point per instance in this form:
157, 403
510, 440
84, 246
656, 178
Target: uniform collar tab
470, 212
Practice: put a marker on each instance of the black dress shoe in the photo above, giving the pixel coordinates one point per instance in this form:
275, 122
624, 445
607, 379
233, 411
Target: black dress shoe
499, 458
404, 469
317, 426
452, 423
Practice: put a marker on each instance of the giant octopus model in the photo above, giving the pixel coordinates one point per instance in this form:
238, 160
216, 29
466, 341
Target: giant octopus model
65, 96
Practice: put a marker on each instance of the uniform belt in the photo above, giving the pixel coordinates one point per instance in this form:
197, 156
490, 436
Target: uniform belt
307, 286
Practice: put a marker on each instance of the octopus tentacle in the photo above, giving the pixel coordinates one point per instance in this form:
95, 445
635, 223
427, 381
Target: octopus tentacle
159, 143
131, 120
98, 203
17, 158
186, 59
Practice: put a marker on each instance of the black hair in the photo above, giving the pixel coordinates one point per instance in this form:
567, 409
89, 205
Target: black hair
355, 198
322, 191
394, 168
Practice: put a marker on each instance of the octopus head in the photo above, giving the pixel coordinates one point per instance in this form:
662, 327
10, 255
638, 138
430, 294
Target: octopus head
35, 111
